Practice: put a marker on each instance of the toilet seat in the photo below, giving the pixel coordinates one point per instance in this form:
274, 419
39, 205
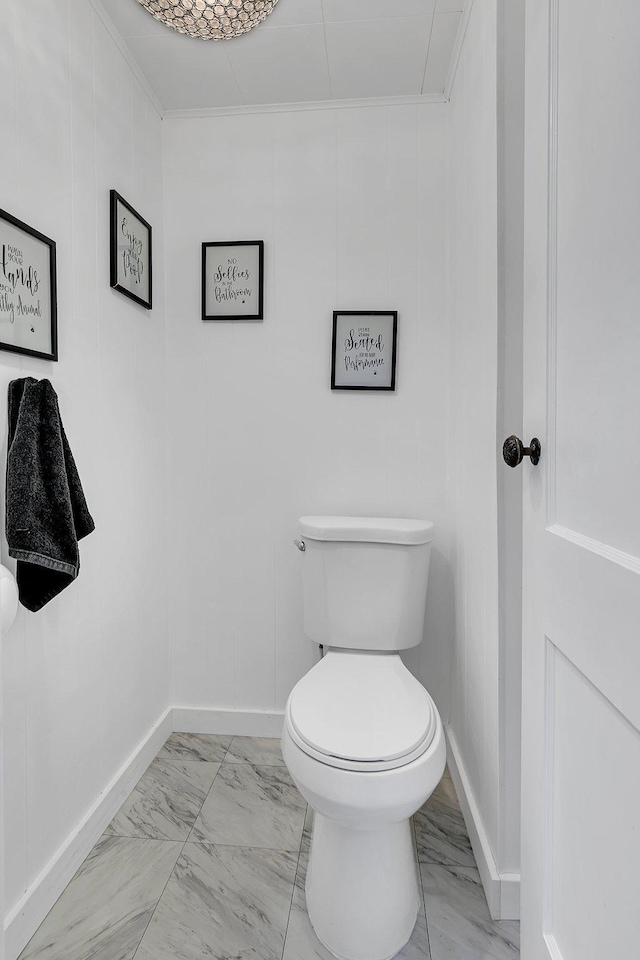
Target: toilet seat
361, 711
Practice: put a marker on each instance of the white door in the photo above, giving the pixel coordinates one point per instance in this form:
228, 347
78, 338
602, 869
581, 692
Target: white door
581, 603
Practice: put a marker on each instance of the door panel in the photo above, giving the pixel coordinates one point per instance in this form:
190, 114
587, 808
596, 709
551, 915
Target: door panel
597, 292
592, 878
592, 605
581, 566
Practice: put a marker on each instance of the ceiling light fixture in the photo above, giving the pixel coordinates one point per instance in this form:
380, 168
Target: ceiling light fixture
210, 19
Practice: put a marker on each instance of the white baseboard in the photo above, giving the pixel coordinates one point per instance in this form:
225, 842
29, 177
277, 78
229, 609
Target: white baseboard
26, 916
502, 890
240, 723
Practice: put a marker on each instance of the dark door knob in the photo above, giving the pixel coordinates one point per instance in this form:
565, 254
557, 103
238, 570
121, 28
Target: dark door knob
513, 451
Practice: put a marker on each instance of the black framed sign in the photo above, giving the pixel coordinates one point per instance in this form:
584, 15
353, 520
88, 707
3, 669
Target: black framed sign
363, 353
232, 280
131, 261
28, 298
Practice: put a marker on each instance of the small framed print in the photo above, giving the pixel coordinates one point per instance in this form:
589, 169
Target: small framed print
363, 355
28, 299
232, 280
131, 261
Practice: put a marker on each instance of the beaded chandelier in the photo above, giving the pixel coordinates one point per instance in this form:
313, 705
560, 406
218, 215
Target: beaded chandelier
210, 19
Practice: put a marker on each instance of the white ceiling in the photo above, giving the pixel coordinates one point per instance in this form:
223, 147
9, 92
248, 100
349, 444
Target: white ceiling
307, 50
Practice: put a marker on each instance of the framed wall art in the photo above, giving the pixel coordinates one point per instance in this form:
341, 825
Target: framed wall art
131, 255
28, 298
233, 280
363, 354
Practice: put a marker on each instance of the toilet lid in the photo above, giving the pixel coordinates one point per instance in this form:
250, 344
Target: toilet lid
362, 707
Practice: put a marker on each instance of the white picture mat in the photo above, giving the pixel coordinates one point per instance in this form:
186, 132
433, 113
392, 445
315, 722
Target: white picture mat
25, 290
132, 252
364, 350
232, 280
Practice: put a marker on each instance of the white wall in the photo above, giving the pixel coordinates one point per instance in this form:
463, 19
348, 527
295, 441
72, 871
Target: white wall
485, 290
86, 678
474, 718
351, 204
510, 84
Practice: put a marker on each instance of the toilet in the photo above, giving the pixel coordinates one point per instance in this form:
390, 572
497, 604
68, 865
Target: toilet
362, 738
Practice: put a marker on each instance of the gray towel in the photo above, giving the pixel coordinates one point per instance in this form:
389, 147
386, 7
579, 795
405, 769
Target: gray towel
46, 510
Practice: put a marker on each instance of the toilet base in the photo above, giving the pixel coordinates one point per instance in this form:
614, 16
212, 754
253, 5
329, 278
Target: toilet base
362, 888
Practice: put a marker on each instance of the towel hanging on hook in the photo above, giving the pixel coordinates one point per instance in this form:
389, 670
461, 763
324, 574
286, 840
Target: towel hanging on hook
47, 513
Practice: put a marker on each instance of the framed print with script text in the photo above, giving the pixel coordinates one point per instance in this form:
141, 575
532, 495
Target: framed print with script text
131, 262
363, 355
232, 280
28, 300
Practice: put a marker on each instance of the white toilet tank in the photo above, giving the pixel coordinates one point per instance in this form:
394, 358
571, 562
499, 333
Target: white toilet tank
365, 581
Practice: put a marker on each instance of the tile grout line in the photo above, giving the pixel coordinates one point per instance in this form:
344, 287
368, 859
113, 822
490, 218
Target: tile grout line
204, 800
153, 912
250, 763
424, 904
204, 843
295, 880
242, 846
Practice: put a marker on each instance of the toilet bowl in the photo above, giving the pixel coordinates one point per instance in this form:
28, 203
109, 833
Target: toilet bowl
362, 887
362, 738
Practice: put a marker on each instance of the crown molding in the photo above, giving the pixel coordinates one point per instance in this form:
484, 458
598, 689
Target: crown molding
298, 107
457, 50
126, 53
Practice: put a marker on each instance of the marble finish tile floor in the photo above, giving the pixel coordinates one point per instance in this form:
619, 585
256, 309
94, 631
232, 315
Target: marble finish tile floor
207, 859
441, 835
166, 801
249, 805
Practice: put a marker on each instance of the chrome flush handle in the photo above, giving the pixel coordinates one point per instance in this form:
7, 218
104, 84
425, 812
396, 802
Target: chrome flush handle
300, 544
